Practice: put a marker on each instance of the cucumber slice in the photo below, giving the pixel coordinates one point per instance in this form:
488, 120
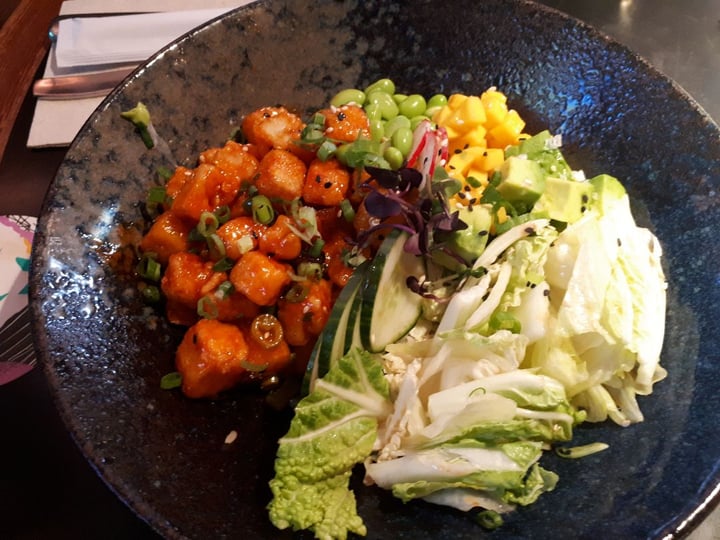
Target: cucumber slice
331, 343
352, 336
389, 308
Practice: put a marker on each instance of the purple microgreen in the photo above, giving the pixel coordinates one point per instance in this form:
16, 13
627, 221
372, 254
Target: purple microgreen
381, 206
386, 178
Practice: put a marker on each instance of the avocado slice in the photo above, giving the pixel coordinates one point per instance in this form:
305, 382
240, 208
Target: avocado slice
522, 181
606, 191
565, 200
470, 243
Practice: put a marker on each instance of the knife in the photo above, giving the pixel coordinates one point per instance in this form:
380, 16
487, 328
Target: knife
95, 84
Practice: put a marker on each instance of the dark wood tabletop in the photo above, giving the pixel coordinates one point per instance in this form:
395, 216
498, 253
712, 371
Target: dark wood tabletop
47, 489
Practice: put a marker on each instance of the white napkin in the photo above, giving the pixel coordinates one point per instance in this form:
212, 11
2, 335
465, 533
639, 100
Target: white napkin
56, 122
93, 41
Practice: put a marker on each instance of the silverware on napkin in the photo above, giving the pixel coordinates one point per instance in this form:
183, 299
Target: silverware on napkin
94, 84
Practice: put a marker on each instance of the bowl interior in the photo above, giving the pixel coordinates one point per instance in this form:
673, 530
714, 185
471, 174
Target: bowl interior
104, 352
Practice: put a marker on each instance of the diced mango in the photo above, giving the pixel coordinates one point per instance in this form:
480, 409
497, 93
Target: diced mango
495, 104
474, 137
456, 100
472, 111
507, 132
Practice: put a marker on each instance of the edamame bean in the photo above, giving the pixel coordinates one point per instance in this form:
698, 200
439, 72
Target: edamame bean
377, 129
438, 100
388, 107
382, 85
413, 105
348, 95
399, 98
415, 120
395, 123
372, 111
432, 111
402, 139
394, 157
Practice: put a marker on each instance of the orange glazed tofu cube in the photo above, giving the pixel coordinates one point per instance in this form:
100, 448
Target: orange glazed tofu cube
233, 159
272, 127
168, 235
177, 181
271, 360
279, 241
210, 358
186, 279
304, 320
346, 123
281, 175
192, 199
240, 235
260, 278
326, 183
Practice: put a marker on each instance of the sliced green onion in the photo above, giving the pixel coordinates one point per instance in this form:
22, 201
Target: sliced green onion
171, 380
326, 150
473, 182
348, 212
316, 249
297, 293
262, 210
216, 247
223, 214
266, 330
207, 308
318, 119
225, 289
149, 268
256, 368
504, 321
156, 194
151, 294
165, 173
140, 118
489, 519
208, 224
310, 270
223, 265
312, 134
575, 452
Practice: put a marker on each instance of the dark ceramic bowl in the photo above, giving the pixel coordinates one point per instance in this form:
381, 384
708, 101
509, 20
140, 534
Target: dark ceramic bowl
104, 352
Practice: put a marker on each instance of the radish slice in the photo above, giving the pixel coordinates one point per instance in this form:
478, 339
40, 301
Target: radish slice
429, 149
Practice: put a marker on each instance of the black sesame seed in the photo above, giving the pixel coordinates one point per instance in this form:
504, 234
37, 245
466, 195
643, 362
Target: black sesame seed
546, 292
327, 185
341, 116
583, 209
482, 233
318, 179
457, 151
473, 200
585, 198
467, 188
461, 195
